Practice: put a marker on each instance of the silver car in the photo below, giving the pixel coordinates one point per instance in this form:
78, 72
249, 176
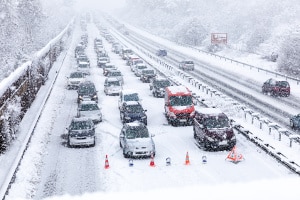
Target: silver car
75, 79
136, 141
90, 109
112, 86
117, 74
81, 132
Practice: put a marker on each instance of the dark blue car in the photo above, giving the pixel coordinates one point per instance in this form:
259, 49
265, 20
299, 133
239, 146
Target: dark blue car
295, 121
132, 111
161, 52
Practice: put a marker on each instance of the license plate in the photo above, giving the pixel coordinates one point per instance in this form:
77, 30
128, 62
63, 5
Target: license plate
182, 120
223, 142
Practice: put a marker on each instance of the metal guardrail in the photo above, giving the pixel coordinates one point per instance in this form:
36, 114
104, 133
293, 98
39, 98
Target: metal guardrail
276, 74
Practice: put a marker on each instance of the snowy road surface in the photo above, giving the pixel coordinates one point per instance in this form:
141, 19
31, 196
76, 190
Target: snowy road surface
61, 171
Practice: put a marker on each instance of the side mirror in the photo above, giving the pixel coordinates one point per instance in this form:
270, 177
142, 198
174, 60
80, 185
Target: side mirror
145, 110
122, 135
152, 135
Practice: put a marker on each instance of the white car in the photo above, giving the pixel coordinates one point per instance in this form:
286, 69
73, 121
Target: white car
81, 132
139, 68
116, 74
112, 86
91, 110
136, 141
83, 67
75, 79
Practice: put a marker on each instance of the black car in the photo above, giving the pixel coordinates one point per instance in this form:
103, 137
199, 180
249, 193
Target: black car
131, 111
87, 91
276, 87
158, 86
147, 75
212, 129
295, 121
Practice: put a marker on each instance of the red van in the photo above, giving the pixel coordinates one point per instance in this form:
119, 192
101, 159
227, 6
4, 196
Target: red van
179, 106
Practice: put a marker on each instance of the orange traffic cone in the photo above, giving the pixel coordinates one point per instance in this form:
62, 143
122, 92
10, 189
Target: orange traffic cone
152, 164
106, 166
234, 157
187, 159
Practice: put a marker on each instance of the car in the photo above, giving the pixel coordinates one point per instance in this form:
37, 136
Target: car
212, 129
276, 87
131, 111
158, 85
134, 63
112, 86
90, 109
128, 95
83, 67
83, 58
107, 67
79, 49
138, 69
81, 132
161, 52
103, 60
136, 141
117, 74
147, 75
295, 121
87, 92
187, 65
74, 79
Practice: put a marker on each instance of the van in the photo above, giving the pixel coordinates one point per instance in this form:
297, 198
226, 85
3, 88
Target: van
179, 105
212, 129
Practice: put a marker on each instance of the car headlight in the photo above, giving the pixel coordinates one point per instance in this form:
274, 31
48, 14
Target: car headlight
144, 117
192, 114
126, 117
233, 138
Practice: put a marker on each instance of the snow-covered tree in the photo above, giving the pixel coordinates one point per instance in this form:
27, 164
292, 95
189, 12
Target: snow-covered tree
10, 121
289, 59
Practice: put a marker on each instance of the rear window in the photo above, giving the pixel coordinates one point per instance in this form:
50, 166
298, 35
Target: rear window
282, 84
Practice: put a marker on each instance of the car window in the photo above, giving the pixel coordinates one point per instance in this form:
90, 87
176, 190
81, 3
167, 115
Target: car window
180, 100
80, 125
137, 132
134, 108
88, 107
282, 84
162, 83
76, 75
113, 83
216, 122
131, 97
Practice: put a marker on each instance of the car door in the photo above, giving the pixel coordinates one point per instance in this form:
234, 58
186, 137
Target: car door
198, 126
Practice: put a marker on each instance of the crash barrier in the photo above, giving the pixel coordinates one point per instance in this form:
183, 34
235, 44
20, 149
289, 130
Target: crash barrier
278, 133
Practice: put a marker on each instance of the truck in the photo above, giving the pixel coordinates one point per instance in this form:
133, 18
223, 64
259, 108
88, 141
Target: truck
179, 105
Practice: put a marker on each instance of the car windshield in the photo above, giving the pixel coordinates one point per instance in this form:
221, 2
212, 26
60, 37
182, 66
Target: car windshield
137, 61
188, 62
76, 75
141, 66
162, 83
181, 100
216, 122
83, 65
115, 74
131, 97
86, 90
148, 72
80, 125
134, 108
88, 107
113, 83
137, 132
